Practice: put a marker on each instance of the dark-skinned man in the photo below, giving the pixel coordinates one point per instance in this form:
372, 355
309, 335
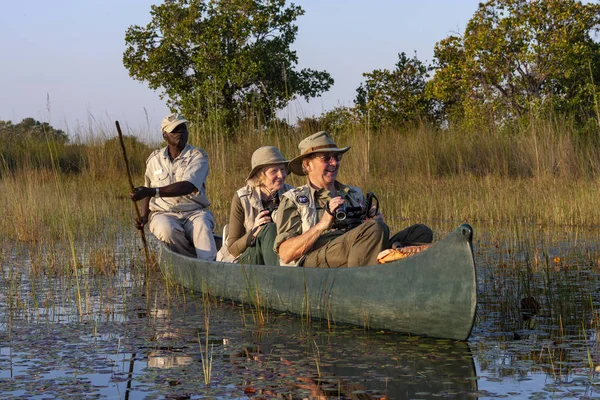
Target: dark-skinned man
174, 199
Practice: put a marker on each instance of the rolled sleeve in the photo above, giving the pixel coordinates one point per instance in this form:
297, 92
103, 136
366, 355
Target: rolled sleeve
288, 221
196, 170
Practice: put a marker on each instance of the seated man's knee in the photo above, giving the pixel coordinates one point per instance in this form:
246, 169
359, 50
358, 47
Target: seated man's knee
376, 227
425, 233
166, 231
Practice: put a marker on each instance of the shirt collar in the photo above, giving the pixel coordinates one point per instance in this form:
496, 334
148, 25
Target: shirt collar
342, 190
184, 153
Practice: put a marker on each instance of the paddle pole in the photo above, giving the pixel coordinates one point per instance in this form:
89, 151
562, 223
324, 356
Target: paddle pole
137, 210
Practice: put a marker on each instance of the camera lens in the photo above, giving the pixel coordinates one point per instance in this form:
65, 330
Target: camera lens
340, 212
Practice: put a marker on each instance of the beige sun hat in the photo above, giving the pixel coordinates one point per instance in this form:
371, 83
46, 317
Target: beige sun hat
266, 155
319, 142
170, 122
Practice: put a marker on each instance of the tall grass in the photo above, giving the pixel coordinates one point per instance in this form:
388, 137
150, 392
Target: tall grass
542, 173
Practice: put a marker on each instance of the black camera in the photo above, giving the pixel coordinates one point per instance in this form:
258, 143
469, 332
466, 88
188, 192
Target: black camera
350, 217
273, 205
343, 212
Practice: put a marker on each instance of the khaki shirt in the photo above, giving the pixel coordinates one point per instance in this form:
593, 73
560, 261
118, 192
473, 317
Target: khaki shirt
191, 165
289, 221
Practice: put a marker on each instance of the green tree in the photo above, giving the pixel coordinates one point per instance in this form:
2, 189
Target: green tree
31, 130
517, 57
449, 87
222, 60
397, 97
340, 120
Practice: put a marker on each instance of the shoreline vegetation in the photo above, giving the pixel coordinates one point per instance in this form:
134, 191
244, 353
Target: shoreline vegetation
541, 174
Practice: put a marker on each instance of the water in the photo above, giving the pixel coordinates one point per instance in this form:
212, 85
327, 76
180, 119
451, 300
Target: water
123, 340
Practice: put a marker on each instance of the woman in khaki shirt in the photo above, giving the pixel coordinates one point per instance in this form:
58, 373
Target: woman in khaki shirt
251, 229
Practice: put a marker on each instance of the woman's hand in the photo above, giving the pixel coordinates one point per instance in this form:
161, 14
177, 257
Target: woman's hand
263, 217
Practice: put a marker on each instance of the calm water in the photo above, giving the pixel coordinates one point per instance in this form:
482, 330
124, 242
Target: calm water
124, 340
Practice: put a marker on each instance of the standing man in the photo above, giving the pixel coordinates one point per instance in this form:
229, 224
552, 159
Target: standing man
308, 233
175, 193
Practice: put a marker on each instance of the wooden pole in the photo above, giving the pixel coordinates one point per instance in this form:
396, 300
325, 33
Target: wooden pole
137, 210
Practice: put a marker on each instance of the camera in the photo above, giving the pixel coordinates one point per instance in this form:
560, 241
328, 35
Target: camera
340, 212
270, 210
273, 205
353, 216
343, 212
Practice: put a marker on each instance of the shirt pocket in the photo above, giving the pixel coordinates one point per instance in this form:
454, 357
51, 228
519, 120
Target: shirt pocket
181, 168
161, 179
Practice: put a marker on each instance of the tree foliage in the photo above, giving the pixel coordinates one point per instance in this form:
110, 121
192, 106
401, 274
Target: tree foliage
396, 97
222, 59
31, 130
518, 57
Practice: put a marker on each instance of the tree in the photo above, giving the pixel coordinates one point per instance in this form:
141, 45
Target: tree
518, 57
31, 130
397, 97
449, 86
222, 60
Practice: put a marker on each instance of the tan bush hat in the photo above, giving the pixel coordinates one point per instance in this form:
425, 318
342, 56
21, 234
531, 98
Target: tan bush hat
266, 155
319, 142
170, 122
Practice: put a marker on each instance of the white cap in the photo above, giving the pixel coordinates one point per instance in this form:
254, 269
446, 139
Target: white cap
171, 121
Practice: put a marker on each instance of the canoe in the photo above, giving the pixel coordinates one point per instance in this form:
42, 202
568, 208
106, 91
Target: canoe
433, 293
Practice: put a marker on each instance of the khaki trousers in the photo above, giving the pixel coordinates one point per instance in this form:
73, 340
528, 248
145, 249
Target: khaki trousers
361, 245
189, 233
357, 247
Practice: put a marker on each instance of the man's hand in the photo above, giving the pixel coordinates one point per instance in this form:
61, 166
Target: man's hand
329, 215
141, 192
140, 223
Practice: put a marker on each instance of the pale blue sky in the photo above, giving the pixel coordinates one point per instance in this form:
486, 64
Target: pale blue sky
71, 51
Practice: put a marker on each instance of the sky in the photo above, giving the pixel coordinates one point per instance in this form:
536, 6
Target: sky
62, 60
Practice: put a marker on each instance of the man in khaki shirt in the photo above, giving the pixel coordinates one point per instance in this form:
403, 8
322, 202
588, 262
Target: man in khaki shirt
174, 196
309, 234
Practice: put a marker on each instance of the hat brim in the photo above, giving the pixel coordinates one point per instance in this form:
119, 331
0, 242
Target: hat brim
296, 164
169, 128
258, 168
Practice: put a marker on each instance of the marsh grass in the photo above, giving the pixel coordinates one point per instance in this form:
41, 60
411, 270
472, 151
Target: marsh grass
206, 354
543, 174
513, 187
258, 309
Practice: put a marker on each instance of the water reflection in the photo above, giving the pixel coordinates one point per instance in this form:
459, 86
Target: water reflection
158, 359
351, 363
536, 331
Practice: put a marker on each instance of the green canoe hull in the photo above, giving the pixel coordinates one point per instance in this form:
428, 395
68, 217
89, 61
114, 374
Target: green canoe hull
433, 293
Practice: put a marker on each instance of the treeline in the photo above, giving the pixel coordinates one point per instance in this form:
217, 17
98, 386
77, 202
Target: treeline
519, 67
516, 60
31, 144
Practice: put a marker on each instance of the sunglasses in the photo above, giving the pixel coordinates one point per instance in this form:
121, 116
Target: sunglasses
328, 157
